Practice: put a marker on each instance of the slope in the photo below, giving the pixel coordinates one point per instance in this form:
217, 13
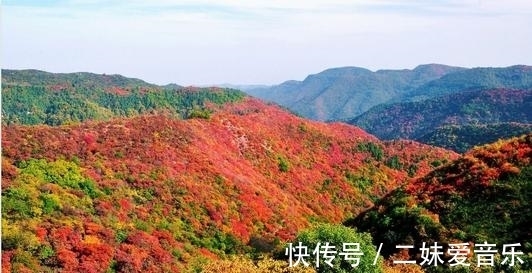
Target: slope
482, 197
461, 138
155, 193
342, 93
481, 78
481, 110
37, 97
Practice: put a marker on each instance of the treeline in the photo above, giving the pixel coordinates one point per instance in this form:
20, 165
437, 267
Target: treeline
73, 101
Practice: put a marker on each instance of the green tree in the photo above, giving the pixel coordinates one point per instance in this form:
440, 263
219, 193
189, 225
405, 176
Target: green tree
337, 235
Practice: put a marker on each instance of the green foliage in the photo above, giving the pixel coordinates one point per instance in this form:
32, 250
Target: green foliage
220, 242
374, 149
436, 163
199, 113
43, 188
240, 263
82, 96
46, 252
18, 202
482, 78
121, 236
397, 223
61, 172
412, 169
461, 138
498, 214
360, 182
282, 162
394, 162
89, 188
337, 235
50, 203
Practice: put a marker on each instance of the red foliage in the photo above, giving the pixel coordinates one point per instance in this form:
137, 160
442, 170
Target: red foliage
478, 168
222, 173
6, 261
240, 230
68, 259
94, 257
117, 90
130, 258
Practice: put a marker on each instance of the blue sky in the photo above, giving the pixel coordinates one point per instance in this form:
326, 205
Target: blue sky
260, 42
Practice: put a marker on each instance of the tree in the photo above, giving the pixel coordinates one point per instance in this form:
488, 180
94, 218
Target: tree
337, 236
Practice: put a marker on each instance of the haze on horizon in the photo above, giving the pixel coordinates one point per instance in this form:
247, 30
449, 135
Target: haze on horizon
261, 42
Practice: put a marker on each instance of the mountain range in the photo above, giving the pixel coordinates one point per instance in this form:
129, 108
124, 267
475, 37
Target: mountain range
415, 104
174, 179
342, 93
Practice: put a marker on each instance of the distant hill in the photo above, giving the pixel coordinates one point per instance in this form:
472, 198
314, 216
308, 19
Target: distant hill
461, 138
475, 79
135, 177
485, 196
342, 93
477, 113
33, 97
58, 81
153, 192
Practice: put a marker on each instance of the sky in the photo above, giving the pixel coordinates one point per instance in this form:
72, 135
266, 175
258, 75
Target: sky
199, 42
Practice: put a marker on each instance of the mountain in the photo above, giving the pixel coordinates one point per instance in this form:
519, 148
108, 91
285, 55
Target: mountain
482, 197
342, 93
482, 78
461, 138
243, 87
36, 97
210, 179
61, 81
155, 192
477, 115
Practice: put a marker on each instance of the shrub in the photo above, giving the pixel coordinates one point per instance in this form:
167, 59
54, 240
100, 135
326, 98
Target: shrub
337, 235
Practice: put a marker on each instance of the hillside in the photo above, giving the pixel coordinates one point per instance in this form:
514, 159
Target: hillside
461, 138
481, 78
155, 193
483, 196
478, 114
342, 93
36, 97
61, 81
450, 107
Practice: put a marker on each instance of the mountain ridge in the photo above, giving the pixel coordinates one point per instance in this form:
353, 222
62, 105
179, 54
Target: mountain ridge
476, 109
152, 191
355, 87
193, 188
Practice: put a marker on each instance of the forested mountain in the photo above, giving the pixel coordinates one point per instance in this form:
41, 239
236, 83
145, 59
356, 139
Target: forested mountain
156, 192
482, 197
36, 97
435, 104
342, 93
461, 138
482, 78
477, 117
177, 179
62, 81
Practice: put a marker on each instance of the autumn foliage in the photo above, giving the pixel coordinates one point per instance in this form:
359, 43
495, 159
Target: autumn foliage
484, 196
154, 193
